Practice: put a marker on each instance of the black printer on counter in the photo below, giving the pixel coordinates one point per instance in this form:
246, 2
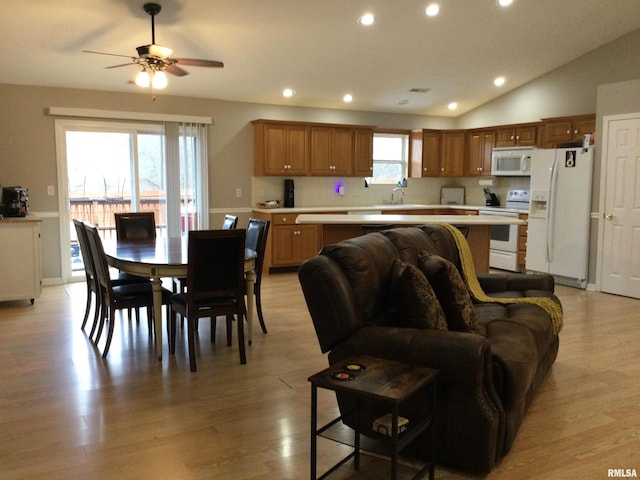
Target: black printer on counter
15, 202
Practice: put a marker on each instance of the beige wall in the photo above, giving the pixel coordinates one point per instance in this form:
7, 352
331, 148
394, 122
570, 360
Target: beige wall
27, 144
28, 153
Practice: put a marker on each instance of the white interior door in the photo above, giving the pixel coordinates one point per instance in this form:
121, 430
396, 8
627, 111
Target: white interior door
620, 252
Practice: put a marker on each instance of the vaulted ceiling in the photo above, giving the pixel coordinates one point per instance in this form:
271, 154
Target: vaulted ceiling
316, 47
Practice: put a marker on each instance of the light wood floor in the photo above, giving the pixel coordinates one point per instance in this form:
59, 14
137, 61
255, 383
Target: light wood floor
67, 414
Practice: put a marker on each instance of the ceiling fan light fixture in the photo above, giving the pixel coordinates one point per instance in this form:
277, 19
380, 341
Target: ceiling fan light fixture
159, 51
143, 79
159, 80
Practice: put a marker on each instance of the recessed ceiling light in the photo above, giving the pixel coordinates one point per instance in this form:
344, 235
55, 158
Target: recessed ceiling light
452, 106
498, 82
367, 19
432, 10
288, 92
348, 98
505, 3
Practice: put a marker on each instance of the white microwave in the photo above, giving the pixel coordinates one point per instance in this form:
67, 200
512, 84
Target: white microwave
513, 161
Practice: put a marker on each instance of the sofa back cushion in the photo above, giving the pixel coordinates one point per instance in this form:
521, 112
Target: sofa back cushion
411, 241
366, 262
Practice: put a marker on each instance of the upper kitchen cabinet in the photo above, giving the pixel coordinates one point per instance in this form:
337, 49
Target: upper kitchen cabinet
280, 148
453, 153
480, 144
363, 152
425, 153
521, 135
332, 151
566, 129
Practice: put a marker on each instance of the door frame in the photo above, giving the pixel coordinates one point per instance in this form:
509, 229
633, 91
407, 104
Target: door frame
604, 171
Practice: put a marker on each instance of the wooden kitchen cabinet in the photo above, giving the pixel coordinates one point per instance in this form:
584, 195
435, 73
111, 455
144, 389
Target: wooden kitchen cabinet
480, 145
20, 259
280, 148
363, 152
453, 153
293, 244
332, 151
425, 153
567, 129
289, 244
520, 135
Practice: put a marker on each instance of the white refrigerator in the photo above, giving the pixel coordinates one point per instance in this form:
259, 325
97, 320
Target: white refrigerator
560, 214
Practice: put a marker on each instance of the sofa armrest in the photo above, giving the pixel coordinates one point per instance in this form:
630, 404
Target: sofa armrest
516, 282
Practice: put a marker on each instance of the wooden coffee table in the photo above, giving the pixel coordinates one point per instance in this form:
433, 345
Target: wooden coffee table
388, 382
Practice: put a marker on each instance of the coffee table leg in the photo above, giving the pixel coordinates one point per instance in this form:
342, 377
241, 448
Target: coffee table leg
394, 435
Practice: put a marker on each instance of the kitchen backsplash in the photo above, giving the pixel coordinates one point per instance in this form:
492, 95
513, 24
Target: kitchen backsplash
324, 191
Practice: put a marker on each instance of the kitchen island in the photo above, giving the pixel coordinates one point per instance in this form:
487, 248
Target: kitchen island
290, 241
338, 227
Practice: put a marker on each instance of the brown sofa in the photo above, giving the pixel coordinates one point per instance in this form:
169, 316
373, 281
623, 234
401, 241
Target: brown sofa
488, 376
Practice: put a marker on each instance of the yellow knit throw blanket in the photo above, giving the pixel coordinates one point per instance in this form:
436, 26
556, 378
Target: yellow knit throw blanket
553, 309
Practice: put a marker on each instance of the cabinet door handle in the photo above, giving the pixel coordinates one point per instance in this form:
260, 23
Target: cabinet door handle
568, 132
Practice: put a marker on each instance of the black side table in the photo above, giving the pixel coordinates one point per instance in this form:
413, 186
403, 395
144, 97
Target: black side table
386, 381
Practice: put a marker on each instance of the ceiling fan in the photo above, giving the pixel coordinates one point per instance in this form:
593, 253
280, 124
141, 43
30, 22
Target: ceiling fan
155, 59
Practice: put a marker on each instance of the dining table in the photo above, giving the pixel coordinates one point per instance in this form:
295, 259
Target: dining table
167, 257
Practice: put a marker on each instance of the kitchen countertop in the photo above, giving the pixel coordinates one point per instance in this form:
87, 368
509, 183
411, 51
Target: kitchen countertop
382, 207
392, 219
27, 219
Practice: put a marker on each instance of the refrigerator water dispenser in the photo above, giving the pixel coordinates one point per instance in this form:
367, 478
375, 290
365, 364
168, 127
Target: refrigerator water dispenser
538, 203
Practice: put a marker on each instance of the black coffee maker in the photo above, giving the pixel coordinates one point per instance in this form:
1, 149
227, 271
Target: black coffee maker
491, 200
289, 193
15, 201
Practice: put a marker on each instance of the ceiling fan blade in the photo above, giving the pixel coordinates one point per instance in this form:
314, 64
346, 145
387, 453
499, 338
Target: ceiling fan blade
121, 65
104, 53
197, 62
175, 70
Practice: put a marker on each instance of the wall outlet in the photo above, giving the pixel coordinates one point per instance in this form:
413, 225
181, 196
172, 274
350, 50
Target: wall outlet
51, 190
238, 192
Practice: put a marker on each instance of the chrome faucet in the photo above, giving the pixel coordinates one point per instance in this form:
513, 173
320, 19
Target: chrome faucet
397, 189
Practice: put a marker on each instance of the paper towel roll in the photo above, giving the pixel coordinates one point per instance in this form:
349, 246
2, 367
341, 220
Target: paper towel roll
487, 182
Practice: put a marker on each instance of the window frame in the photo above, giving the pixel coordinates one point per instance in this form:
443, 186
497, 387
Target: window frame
405, 154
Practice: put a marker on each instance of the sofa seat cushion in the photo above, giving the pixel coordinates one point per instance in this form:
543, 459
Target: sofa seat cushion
519, 335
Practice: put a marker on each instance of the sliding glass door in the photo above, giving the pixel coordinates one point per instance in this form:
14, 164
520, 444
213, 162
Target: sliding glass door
110, 167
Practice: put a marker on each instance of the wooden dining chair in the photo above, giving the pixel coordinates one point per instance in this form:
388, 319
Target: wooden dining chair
215, 285
117, 297
257, 231
135, 225
229, 222
93, 287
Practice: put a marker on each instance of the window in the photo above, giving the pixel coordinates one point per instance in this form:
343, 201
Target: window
390, 158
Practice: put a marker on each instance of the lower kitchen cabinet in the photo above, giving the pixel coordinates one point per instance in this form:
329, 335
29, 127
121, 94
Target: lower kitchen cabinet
20, 259
292, 244
289, 244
